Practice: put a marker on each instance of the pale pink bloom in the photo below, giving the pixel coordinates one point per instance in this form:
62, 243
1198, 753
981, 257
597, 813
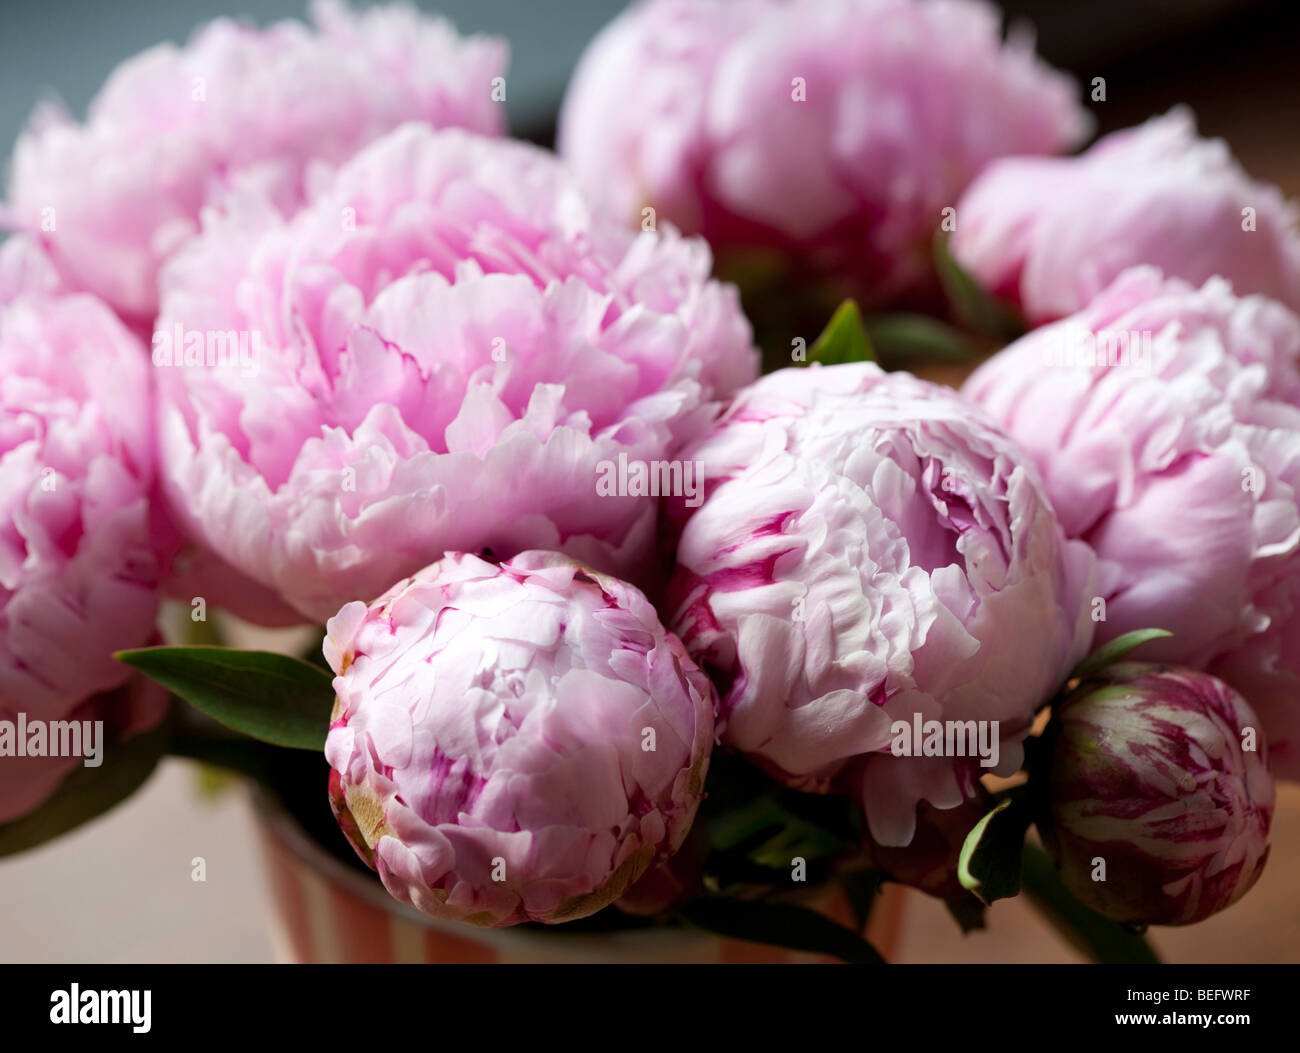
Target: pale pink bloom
1049, 234
514, 743
83, 549
175, 127
1165, 420
873, 551
454, 354
833, 130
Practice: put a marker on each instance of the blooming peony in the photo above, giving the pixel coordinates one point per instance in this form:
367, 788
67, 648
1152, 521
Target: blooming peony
455, 354
174, 127
836, 130
1165, 420
82, 550
871, 551
514, 743
1050, 233
1149, 775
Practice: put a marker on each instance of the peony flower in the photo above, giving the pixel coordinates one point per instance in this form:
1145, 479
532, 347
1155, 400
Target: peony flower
871, 553
175, 127
514, 742
1150, 780
1050, 233
835, 130
82, 548
454, 355
1165, 420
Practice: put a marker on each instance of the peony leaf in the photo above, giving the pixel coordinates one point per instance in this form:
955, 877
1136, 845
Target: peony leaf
899, 339
861, 887
270, 697
968, 913
779, 925
843, 340
970, 304
1100, 938
989, 864
87, 793
1109, 654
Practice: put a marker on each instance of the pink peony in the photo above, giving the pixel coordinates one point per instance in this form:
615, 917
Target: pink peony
82, 550
872, 551
175, 127
1165, 420
514, 743
1150, 780
1049, 233
836, 130
453, 352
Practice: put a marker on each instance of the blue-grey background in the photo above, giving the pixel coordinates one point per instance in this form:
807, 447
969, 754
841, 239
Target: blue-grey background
68, 47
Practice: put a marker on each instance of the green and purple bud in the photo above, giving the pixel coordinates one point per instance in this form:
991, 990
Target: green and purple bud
1161, 796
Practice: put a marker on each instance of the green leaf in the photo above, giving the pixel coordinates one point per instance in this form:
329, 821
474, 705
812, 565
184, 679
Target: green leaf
779, 925
240, 755
1098, 937
87, 793
843, 340
862, 887
989, 864
834, 814
968, 913
1109, 654
907, 338
270, 697
970, 304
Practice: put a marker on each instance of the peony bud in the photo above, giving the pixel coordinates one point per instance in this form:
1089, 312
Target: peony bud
514, 743
1161, 795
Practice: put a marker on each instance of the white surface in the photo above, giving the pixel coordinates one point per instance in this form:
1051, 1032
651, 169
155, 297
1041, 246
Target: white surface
120, 888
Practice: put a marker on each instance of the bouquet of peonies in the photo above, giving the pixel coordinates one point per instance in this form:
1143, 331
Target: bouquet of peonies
594, 619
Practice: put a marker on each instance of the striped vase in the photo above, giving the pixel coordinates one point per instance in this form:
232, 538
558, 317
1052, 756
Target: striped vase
326, 912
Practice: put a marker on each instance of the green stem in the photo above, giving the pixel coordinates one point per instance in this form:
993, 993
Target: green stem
1101, 939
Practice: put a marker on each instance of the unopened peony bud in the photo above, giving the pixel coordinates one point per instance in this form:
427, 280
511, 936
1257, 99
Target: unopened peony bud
1160, 811
514, 743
